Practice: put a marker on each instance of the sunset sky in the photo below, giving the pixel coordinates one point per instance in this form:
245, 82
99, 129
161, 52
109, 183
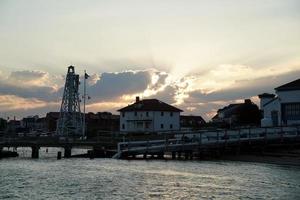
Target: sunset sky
197, 55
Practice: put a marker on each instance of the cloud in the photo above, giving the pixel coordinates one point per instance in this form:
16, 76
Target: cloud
112, 86
12, 102
31, 84
198, 94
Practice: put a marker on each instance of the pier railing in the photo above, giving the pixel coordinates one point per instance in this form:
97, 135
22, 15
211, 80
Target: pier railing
187, 140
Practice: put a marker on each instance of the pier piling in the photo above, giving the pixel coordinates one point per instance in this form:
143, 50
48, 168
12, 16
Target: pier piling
35, 152
68, 152
59, 155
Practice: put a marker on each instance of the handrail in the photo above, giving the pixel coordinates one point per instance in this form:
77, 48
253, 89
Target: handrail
238, 135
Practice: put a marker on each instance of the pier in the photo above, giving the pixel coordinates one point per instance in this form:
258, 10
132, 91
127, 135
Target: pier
212, 143
174, 145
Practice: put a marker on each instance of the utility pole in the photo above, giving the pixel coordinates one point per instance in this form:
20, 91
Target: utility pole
86, 76
84, 96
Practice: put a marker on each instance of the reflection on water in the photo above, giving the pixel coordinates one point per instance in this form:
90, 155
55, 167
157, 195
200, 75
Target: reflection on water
78, 178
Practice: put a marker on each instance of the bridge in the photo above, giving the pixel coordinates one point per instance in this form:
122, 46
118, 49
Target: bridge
198, 142
35, 143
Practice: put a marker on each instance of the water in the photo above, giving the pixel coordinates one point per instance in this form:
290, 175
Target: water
78, 178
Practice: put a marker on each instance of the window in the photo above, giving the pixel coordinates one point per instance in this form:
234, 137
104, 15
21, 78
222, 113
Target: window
147, 125
171, 114
291, 111
139, 125
123, 114
161, 126
123, 126
147, 114
135, 113
162, 114
171, 126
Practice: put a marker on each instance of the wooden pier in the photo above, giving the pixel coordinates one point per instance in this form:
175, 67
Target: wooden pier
217, 142
176, 145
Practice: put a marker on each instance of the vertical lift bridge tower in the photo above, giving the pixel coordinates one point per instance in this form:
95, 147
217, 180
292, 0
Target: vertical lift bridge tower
70, 122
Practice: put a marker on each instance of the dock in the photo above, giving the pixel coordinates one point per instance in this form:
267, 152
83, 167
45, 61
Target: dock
217, 142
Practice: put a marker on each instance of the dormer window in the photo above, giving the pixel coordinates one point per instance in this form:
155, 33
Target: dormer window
135, 113
171, 114
161, 113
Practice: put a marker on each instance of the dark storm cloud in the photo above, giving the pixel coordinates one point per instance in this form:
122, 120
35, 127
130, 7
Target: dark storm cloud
114, 85
167, 95
30, 84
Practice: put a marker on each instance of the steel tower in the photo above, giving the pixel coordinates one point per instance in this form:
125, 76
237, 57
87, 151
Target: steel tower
70, 119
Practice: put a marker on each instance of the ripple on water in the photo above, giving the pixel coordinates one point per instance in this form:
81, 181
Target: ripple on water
48, 178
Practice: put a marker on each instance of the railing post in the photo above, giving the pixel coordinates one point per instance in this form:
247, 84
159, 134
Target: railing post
265, 138
249, 135
183, 142
281, 135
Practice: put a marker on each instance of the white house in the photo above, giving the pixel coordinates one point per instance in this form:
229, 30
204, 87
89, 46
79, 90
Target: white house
149, 115
282, 109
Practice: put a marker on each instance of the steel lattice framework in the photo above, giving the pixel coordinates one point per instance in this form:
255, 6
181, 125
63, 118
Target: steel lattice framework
70, 119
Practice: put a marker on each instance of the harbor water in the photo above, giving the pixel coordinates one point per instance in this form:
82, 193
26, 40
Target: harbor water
81, 178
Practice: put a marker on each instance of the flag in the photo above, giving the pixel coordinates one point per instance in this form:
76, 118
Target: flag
86, 76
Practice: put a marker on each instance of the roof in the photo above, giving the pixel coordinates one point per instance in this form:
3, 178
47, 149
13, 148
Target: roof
270, 101
294, 85
150, 105
192, 117
266, 95
230, 106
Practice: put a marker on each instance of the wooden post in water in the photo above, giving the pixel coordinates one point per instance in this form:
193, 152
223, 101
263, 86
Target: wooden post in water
173, 155
249, 136
59, 155
239, 144
35, 152
179, 154
68, 152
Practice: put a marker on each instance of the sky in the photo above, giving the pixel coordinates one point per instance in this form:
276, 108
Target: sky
196, 55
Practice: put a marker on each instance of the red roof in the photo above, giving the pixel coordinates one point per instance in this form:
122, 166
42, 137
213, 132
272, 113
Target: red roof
294, 85
150, 105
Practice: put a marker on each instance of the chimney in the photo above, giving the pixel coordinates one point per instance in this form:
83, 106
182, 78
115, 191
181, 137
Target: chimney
137, 99
247, 101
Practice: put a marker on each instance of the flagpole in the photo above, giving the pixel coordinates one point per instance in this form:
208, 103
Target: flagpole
84, 96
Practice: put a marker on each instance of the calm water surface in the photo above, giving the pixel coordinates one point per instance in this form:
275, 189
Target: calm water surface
78, 178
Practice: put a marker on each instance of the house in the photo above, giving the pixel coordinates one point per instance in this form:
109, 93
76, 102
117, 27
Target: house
239, 114
284, 107
191, 122
101, 122
29, 122
149, 115
14, 126
51, 121
3, 125
40, 124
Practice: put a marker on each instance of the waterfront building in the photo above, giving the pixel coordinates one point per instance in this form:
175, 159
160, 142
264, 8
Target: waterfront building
191, 122
29, 122
101, 122
238, 114
51, 121
149, 115
284, 107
